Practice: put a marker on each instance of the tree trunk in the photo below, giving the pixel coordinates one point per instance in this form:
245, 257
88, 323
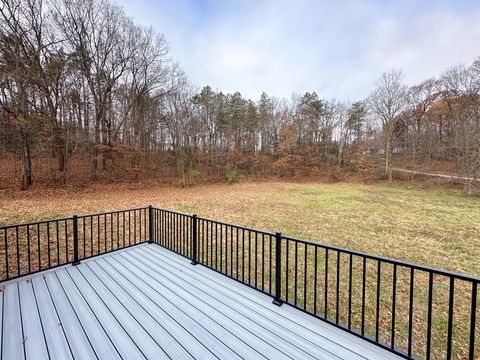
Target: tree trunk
388, 155
27, 164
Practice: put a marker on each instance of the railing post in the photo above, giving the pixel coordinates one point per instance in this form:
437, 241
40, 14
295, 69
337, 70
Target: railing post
150, 224
278, 271
194, 240
75, 240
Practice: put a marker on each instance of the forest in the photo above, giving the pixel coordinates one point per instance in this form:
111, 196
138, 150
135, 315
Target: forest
88, 95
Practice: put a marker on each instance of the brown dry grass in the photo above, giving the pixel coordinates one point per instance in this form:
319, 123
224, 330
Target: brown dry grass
443, 228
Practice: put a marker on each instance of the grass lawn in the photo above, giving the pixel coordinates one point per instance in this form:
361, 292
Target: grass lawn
432, 228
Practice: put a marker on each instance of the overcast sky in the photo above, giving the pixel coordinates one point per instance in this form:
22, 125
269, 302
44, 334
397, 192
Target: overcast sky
336, 48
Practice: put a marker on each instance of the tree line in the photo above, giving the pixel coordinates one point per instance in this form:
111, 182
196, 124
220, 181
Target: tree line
87, 94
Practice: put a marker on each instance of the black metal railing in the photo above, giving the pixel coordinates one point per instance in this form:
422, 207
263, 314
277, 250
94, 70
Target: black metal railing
29, 248
412, 310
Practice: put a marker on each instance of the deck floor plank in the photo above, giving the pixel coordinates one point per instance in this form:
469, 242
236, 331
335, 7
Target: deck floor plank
35, 345
12, 344
148, 302
57, 343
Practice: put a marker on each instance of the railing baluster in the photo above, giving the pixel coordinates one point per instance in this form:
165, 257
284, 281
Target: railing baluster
216, 246
315, 280
325, 310
231, 251
111, 232
450, 317
263, 262
6, 253
236, 254
337, 289
410, 311
221, 247
85, 237
28, 249
473, 315
105, 232
66, 242
296, 274
350, 273
48, 245
364, 284
249, 251
38, 246
124, 229
243, 255
58, 244
203, 243
287, 259
256, 258
211, 244
305, 277
270, 265
429, 314
377, 310
394, 310
18, 251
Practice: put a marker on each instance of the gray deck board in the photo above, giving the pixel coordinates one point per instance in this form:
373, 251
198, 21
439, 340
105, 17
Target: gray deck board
35, 345
57, 344
147, 302
12, 341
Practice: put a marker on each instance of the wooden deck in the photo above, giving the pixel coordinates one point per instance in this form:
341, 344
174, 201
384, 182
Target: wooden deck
147, 302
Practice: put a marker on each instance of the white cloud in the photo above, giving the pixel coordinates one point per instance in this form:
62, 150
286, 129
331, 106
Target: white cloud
336, 48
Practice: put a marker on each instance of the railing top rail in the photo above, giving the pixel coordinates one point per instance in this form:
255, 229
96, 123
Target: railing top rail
112, 212
237, 226
173, 212
40, 222
389, 260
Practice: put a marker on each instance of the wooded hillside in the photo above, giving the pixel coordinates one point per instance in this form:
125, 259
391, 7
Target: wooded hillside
88, 95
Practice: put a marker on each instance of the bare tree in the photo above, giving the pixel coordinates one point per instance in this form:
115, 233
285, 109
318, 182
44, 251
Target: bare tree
387, 101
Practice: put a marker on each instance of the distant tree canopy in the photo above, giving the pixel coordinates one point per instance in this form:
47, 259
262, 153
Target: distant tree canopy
87, 94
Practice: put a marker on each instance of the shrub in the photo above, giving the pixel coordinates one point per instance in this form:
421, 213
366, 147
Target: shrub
193, 175
230, 175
